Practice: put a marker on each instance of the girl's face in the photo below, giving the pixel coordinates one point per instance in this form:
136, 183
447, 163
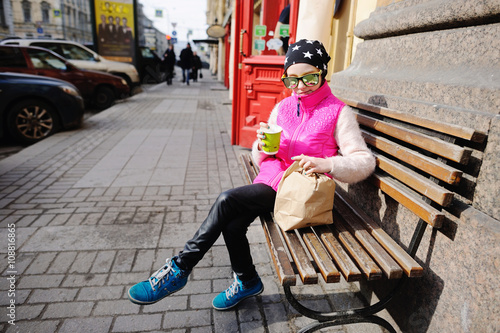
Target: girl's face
298, 71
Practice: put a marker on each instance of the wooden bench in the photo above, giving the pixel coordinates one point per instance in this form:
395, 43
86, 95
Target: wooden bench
420, 164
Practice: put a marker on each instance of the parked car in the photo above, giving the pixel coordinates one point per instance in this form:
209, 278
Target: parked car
33, 107
150, 66
97, 88
81, 57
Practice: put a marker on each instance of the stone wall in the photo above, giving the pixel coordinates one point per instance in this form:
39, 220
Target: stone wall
440, 60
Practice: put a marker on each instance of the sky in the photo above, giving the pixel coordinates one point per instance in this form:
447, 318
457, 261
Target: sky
187, 14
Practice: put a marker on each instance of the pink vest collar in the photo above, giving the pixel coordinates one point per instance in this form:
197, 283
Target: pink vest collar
310, 101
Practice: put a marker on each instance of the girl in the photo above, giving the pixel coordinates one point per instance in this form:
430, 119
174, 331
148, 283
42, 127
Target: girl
316, 127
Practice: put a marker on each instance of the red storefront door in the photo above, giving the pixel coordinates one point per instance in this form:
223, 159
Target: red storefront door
257, 84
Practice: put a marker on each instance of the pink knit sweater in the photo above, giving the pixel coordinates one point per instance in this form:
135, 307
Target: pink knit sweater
320, 114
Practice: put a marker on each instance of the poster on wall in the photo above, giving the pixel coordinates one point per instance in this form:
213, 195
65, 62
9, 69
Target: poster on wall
115, 29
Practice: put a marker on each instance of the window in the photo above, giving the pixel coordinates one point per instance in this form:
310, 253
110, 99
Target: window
68, 15
68, 51
44, 60
51, 46
26, 10
3, 23
147, 53
45, 12
74, 52
12, 57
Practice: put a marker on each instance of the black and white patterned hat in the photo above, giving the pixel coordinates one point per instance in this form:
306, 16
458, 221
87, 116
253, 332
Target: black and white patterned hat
311, 52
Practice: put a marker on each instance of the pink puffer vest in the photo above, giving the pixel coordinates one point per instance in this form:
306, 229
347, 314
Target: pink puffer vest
308, 125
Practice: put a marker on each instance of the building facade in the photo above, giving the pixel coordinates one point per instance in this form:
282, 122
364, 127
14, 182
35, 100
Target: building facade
66, 19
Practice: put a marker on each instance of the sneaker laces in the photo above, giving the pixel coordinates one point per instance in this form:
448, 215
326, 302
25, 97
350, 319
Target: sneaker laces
233, 289
159, 275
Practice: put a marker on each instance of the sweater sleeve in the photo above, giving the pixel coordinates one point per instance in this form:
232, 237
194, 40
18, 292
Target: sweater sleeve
259, 155
355, 161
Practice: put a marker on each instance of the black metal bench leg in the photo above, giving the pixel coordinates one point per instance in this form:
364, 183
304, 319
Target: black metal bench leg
365, 314
346, 321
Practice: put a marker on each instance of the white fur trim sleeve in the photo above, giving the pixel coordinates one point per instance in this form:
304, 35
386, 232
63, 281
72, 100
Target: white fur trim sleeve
259, 155
355, 161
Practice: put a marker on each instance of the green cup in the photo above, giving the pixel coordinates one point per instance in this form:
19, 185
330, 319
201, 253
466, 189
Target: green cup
272, 139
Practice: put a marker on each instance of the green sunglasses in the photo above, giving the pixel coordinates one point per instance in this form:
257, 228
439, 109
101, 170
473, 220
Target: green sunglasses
308, 80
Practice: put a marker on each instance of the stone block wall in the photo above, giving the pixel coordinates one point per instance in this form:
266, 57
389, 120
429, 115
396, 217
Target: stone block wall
439, 59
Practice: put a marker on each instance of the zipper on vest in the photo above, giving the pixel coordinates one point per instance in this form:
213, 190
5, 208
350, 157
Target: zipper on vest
298, 106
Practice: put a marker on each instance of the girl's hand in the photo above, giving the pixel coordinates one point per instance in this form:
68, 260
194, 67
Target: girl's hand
313, 164
260, 134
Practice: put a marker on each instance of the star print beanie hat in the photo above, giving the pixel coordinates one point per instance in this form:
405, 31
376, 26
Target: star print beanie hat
311, 52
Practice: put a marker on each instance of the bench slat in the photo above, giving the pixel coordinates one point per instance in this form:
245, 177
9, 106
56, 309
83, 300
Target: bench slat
431, 144
365, 263
320, 255
389, 266
282, 263
306, 270
347, 267
454, 130
414, 180
431, 166
409, 199
250, 168
346, 207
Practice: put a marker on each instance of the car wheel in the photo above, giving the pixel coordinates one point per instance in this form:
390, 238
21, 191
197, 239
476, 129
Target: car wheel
32, 120
104, 97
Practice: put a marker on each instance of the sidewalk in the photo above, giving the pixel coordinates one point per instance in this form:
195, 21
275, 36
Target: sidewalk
98, 209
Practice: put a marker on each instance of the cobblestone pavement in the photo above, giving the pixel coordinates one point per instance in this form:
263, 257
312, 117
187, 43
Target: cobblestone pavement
90, 212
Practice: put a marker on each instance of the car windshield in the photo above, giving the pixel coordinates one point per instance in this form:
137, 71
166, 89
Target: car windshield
68, 51
74, 52
44, 60
147, 53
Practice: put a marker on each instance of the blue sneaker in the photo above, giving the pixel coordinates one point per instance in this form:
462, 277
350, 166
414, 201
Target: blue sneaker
237, 292
167, 280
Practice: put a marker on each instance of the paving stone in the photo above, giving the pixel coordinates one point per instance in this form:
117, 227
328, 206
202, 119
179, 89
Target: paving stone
225, 321
90, 279
137, 323
143, 261
83, 262
41, 263
62, 262
100, 293
123, 261
190, 318
115, 307
68, 309
53, 295
85, 325
252, 327
40, 281
28, 312
46, 326
103, 262
170, 303
63, 238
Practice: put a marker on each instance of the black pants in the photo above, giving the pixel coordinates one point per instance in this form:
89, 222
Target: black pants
232, 213
194, 74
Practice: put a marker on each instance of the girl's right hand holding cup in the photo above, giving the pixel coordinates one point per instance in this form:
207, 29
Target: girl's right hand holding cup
260, 134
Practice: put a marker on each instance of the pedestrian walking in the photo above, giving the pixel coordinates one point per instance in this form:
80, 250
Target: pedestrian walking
196, 66
186, 58
316, 125
169, 63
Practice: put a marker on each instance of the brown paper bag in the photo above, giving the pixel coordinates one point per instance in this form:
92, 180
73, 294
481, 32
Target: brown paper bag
303, 200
